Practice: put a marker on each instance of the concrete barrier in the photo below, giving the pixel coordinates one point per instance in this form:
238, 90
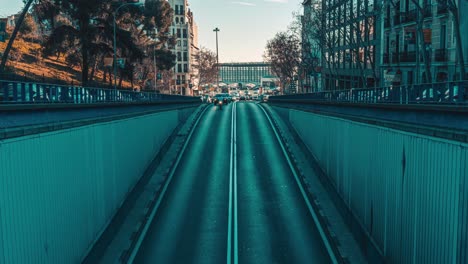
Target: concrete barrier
408, 191
60, 189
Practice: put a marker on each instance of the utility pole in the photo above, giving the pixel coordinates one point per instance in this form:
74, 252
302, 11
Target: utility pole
217, 58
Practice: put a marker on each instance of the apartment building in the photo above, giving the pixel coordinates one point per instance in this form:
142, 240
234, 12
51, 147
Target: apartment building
311, 51
420, 33
185, 29
350, 43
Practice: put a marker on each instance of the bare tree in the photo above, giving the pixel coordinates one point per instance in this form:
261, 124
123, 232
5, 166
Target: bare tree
206, 66
283, 52
304, 27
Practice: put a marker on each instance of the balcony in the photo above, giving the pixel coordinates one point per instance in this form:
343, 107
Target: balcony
441, 55
409, 56
396, 19
408, 17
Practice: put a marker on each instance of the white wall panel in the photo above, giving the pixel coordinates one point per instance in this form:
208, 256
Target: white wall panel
403, 187
59, 190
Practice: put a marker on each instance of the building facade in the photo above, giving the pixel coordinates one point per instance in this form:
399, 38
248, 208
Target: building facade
244, 73
185, 30
350, 42
410, 30
311, 80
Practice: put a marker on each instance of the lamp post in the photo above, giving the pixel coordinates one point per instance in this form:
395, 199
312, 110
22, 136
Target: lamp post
115, 41
217, 58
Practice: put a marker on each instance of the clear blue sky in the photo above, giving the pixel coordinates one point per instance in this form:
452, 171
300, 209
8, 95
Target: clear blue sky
245, 25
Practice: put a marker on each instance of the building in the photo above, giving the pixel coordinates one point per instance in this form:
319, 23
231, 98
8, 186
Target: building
403, 43
244, 73
194, 49
311, 80
350, 43
11, 22
185, 29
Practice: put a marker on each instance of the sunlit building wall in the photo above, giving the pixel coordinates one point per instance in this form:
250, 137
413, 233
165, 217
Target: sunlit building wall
184, 28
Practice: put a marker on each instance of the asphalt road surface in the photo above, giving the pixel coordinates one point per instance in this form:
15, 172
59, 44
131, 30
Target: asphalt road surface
233, 199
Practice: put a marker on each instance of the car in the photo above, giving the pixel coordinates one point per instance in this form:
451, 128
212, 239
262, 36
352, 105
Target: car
242, 98
220, 97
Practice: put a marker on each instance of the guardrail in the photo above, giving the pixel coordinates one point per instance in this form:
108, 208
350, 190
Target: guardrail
12, 92
448, 93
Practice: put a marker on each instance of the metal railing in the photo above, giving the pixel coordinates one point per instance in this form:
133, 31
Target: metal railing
451, 93
12, 92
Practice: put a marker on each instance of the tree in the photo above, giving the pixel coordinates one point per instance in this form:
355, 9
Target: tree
283, 52
305, 28
87, 33
206, 66
13, 36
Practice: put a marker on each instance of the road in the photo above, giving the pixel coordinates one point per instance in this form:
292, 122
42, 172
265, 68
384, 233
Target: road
233, 199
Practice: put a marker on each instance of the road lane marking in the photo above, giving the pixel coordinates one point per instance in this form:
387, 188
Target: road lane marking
163, 192
303, 192
236, 251
232, 213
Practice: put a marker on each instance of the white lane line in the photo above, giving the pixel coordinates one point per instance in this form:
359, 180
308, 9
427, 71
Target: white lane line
163, 192
232, 246
231, 172
236, 251
304, 194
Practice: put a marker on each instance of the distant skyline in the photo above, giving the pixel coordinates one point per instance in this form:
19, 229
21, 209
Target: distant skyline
245, 25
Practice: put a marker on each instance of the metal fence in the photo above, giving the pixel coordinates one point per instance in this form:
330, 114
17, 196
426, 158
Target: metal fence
434, 93
12, 92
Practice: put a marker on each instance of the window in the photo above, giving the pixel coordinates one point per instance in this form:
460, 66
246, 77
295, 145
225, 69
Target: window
185, 33
179, 67
185, 67
178, 33
177, 9
178, 43
185, 56
185, 43
177, 20
443, 36
179, 56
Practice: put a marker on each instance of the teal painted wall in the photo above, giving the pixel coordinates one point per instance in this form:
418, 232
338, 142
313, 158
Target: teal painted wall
407, 190
59, 190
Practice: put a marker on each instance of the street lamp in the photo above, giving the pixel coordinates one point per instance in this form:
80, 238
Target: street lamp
115, 40
217, 58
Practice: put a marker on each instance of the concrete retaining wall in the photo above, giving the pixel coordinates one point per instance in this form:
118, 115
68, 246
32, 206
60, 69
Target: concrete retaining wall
407, 190
59, 190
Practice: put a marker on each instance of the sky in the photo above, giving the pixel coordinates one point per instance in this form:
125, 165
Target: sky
245, 25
